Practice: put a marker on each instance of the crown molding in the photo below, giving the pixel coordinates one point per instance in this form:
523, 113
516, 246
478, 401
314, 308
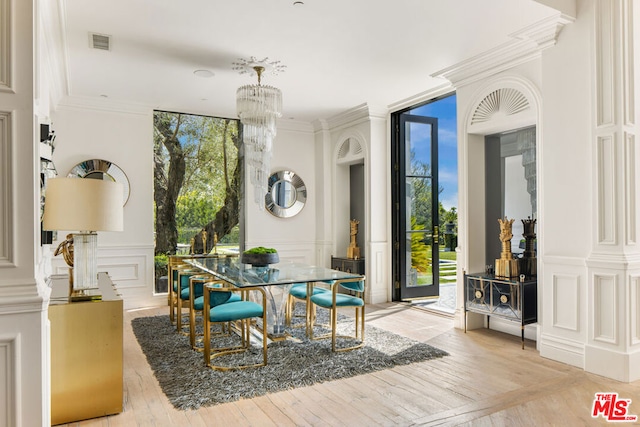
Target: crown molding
355, 114
294, 125
103, 104
443, 88
358, 114
526, 44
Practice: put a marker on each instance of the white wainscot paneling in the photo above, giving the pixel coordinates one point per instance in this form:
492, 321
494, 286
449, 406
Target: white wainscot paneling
634, 307
607, 215
563, 309
566, 301
126, 270
378, 277
131, 269
128, 266
302, 252
8, 366
630, 189
605, 327
6, 54
6, 217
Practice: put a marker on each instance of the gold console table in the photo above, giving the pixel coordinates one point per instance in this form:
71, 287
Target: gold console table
86, 353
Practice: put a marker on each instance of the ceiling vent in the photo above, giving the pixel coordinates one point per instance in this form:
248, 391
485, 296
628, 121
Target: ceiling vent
100, 41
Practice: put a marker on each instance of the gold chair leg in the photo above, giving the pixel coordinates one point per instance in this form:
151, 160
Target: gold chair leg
334, 324
207, 338
192, 327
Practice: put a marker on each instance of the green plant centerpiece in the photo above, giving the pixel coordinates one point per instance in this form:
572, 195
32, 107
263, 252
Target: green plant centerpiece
260, 256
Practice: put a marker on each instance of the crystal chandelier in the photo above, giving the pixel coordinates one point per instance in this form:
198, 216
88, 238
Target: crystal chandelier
258, 106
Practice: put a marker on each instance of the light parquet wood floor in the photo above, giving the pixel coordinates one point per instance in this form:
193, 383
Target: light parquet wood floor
487, 380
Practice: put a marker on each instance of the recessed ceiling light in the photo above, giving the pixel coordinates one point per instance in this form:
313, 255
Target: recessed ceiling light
104, 96
298, 3
204, 73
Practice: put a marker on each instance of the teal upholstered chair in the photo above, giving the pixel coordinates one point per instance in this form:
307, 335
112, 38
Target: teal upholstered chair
196, 305
176, 264
182, 292
239, 312
298, 292
334, 300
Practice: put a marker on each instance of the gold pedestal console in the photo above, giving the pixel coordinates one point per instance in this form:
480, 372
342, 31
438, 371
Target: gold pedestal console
86, 353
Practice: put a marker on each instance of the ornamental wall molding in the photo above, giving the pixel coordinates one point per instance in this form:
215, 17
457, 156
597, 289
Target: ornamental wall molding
525, 45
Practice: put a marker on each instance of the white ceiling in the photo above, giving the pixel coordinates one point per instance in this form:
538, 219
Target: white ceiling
339, 53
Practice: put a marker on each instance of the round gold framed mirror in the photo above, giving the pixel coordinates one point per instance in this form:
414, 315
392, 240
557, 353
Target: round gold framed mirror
102, 169
286, 194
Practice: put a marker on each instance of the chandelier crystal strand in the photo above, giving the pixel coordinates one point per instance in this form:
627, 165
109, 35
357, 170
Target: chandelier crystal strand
259, 107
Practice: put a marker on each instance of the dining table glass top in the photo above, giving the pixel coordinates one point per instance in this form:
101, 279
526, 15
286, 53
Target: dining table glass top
231, 270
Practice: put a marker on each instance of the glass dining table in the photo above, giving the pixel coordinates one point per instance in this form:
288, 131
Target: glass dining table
277, 279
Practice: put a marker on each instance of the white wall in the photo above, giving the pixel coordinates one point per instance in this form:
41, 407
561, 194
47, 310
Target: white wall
294, 237
566, 179
123, 136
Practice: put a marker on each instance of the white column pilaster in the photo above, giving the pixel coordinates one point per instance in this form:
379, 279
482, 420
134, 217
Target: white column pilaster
613, 289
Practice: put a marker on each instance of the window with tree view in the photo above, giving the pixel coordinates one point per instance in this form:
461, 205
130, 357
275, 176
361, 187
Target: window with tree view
197, 184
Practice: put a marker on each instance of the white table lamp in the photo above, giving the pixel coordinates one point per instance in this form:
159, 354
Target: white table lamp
82, 206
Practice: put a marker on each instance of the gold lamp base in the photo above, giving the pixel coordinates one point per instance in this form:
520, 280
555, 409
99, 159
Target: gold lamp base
71, 257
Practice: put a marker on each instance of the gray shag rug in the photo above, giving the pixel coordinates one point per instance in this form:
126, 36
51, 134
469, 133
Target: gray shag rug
292, 363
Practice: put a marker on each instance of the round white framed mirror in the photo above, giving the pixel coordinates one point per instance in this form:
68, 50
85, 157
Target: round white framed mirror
286, 194
102, 169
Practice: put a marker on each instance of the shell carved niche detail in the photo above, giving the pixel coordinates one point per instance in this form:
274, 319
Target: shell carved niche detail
501, 102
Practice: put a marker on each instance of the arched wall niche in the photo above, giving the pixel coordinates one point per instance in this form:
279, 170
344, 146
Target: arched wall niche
349, 195
502, 104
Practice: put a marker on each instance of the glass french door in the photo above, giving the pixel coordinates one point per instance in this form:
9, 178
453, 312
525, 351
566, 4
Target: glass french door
415, 207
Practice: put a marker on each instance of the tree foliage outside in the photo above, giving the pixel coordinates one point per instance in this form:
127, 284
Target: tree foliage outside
420, 253
422, 217
197, 180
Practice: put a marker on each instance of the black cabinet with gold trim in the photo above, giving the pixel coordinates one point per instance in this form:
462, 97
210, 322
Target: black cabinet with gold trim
355, 266
511, 299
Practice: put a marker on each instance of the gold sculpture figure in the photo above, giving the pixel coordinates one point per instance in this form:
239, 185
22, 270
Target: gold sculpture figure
353, 251
215, 243
204, 241
506, 266
66, 249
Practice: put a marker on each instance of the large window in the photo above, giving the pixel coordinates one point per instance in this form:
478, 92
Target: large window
197, 183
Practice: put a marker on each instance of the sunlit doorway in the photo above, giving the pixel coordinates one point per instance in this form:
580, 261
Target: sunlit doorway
424, 214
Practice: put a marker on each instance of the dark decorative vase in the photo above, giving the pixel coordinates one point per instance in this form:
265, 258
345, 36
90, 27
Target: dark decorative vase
529, 261
259, 260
